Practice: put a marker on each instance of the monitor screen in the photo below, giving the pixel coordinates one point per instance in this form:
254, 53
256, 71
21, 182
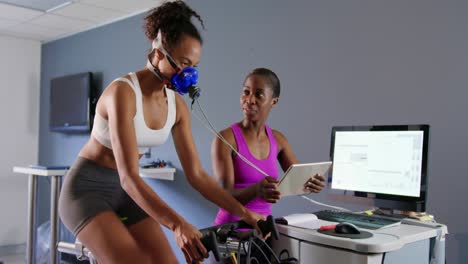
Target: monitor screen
70, 103
382, 162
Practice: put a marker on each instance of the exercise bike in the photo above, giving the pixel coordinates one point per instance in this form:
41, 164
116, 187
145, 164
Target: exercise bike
237, 243
232, 243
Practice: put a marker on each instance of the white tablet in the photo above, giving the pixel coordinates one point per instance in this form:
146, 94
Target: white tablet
292, 182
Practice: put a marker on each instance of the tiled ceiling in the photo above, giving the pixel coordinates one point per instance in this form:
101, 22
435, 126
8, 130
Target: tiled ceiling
46, 20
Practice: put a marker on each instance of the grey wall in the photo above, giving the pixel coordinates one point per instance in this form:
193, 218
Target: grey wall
340, 63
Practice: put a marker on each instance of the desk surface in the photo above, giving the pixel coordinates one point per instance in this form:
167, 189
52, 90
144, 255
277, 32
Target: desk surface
383, 240
155, 173
39, 172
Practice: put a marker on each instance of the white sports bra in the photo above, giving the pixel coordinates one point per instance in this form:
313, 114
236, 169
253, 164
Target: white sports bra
145, 136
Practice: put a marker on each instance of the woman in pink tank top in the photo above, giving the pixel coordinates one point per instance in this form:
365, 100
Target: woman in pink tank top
262, 146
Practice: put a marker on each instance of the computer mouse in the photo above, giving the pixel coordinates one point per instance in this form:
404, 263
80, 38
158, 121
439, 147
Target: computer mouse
346, 228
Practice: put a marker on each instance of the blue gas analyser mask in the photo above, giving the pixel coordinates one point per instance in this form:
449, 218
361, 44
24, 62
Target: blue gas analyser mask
183, 80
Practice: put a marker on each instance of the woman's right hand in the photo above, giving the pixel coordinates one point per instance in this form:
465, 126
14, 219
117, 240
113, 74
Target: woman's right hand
188, 239
252, 219
267, 189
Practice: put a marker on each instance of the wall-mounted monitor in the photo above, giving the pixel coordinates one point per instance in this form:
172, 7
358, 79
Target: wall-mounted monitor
72, 103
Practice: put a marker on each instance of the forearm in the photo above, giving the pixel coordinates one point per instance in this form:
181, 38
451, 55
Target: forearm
245, 195
210, 189
151, 203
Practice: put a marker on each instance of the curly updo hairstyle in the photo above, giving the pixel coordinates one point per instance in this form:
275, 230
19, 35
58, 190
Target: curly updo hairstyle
174, 20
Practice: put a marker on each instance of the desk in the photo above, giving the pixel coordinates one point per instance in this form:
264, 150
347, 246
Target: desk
407, 243
155, 173
32, 204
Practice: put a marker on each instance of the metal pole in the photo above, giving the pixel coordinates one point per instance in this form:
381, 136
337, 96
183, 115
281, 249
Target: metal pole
54, 218
32, 187
73, 249
78, 250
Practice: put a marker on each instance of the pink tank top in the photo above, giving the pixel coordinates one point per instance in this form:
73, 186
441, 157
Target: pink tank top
245, 175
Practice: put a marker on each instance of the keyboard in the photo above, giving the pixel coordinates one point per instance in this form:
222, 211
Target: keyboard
360, 220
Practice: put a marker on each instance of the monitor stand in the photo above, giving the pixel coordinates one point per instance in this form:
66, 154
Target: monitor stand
398, 214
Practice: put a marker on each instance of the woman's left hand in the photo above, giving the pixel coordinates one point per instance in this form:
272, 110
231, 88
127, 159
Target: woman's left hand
315, 183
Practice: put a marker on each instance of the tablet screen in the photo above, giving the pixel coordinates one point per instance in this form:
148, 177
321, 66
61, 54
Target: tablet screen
292, 182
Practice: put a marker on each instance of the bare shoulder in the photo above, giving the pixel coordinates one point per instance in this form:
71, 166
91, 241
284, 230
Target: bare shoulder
117, 95
228, 135
181, 107
118, 88
279, 137
180, 102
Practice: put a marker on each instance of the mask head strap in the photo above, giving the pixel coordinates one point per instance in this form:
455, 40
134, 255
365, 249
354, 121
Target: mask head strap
157, 44
156, 71
183, 81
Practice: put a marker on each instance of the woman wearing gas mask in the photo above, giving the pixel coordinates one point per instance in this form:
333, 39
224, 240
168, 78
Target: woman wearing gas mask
104, 202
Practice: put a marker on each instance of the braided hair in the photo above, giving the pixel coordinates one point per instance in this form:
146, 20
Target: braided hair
173, 19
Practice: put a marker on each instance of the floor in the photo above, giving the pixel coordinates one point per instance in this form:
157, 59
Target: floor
13, 259
21, 259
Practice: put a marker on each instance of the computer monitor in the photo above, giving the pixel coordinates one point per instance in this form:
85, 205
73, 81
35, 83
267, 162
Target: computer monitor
385, 163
